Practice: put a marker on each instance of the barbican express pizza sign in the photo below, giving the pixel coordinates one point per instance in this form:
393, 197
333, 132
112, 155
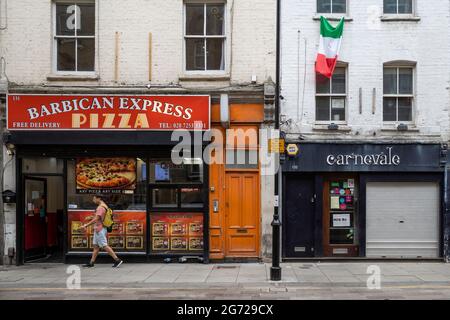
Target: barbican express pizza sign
108, 112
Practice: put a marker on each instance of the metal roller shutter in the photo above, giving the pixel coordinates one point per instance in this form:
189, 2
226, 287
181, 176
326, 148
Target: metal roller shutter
402, 220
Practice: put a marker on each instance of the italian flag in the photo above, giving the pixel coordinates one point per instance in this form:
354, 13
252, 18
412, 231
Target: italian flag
330, 44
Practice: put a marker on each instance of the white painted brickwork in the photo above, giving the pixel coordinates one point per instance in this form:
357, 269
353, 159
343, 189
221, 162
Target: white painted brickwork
27, 42
367, 43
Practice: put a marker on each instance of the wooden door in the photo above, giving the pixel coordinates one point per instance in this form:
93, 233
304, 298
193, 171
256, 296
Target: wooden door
340, 216
242, 217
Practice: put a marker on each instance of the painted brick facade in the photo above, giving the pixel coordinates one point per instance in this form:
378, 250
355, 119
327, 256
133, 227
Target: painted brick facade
369, 41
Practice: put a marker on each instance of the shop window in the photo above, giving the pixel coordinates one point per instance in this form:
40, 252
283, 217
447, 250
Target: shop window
42, 165
165, 172
205, 37
398, 94
331, 96
127, 197
331, 6
191, 197
74, 36
165, 197
398, 6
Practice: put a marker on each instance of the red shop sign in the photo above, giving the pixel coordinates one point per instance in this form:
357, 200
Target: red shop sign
107, 112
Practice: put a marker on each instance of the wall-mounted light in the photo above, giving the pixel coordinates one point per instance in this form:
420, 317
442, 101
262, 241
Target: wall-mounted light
333, 126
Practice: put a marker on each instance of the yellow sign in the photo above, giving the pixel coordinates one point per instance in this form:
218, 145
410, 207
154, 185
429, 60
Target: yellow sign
276, 145
292, 149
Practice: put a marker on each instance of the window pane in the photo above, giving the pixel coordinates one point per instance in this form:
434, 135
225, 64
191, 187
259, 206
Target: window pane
86, 26
338, 82
389, 109
195, 19
404, 109
66, 54
165, 197
86, 54
404, 6
324, 6
214, 19
167, 172
322, 84
338, 109
191, 198
405, 78
339, 6
195, 54
65, 19
242, 159
341, 236
390, 80
322, 108
42, 165
215, 56
390, 6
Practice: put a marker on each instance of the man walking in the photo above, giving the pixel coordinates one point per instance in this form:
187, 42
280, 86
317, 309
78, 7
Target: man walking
100, 241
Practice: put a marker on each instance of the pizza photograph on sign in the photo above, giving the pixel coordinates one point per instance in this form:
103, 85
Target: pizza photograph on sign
105, 175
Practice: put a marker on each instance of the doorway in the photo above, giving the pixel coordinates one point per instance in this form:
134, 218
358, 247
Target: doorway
299, 216
242, 214
340, 216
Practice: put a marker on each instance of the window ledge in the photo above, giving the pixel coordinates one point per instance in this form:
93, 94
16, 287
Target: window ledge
204, 77
332, 17
324, 127
399, 17
73, 77
393, 128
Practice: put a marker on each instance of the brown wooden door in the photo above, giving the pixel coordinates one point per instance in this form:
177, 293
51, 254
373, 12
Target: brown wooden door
242, 214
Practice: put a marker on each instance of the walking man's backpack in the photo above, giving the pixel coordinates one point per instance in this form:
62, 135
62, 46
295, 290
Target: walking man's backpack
108, 221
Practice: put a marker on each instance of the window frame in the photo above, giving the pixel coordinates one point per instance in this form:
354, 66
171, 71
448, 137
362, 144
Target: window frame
331, 13
55, 38
225, 37
397, 14
398, 95
330, 95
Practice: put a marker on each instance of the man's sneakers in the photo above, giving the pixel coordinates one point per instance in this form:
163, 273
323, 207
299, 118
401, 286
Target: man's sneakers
88, 265
117, 263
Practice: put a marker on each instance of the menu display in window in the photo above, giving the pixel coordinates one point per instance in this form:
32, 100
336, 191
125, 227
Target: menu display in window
177, 232
128, 233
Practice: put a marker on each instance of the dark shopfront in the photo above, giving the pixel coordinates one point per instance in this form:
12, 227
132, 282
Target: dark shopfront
160, 212
365, 200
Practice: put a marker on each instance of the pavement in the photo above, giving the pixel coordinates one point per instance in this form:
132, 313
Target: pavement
326, 280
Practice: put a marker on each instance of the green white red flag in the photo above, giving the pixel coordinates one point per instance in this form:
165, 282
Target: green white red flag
330, 44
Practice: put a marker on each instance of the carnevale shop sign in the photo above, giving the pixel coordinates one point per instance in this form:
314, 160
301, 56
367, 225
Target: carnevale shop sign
384, 158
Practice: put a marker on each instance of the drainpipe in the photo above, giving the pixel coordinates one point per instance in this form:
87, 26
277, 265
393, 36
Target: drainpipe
275, 270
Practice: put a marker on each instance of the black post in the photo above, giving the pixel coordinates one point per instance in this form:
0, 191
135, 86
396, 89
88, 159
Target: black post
275, 270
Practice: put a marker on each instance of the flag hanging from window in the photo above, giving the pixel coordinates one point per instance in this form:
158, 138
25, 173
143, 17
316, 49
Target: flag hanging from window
330, 44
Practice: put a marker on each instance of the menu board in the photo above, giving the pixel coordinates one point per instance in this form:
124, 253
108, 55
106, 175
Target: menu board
105, 175
128, 233
177, 232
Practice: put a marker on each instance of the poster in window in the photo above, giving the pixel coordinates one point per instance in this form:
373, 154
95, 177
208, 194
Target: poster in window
162, 243
126, 224
177, 232
341, 220
179, 243
105, 175
134, 242
162, 172
196, 243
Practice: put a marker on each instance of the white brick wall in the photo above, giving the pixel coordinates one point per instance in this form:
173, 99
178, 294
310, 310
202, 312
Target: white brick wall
27, 43
367, 44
